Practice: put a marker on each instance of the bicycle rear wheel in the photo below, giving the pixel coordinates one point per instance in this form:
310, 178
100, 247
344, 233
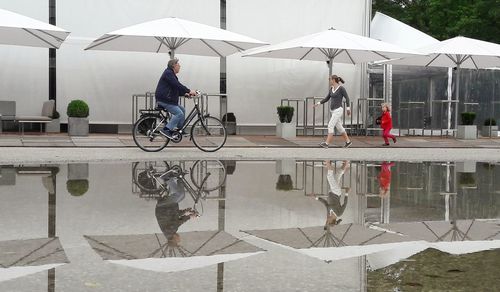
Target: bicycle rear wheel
208, 134
147, 136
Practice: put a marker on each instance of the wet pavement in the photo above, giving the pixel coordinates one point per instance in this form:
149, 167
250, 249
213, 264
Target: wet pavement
62, 140
241, 225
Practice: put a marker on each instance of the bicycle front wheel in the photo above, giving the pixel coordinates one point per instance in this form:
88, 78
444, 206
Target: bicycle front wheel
147, 136
208, 134
208, 175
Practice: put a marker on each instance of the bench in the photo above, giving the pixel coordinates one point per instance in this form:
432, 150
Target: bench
8, 113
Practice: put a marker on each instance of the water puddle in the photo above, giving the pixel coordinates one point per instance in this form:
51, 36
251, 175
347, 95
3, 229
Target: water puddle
250, 226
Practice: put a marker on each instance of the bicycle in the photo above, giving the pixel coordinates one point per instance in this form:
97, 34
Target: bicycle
205, 175
207, 132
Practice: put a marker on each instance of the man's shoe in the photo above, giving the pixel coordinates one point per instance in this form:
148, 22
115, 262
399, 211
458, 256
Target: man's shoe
323, 144
347, 144
167, 133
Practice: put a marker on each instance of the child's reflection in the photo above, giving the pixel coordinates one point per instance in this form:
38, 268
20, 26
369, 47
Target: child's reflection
384, 178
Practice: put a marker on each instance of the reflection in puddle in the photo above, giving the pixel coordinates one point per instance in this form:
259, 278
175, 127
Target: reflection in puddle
307, 218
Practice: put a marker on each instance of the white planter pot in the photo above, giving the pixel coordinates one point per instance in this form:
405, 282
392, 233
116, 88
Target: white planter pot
78, 171
286, 130
78, 126
286, 166
467, 132
465, 166
7, 176
53, 127
489, 131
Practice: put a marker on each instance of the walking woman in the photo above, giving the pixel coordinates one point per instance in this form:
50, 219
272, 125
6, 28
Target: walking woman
336, 95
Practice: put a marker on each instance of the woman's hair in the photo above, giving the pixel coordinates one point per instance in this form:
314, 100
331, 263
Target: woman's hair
338, 79
172, 62
387, 105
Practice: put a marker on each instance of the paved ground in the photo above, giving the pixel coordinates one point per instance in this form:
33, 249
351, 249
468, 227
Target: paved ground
111, 141
60, 148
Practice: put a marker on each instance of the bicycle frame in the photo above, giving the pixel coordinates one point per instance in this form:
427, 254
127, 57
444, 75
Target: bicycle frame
195, 194
195, 112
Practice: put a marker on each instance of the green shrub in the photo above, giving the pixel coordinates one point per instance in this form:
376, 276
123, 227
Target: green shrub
285, 113
229, 117
490, 122
78, 109
468, 118
284, 183
55, 115
77, 187
467, 179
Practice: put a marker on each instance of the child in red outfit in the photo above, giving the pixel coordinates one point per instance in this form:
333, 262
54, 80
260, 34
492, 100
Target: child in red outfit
386, 124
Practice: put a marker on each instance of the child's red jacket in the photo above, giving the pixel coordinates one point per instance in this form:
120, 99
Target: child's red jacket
386, 121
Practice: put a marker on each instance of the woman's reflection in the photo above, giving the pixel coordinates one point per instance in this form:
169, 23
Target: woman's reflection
334, 207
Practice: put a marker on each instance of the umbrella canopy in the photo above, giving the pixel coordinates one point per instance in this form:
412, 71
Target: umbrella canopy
174, 35
20, 258
334, 46
459, 52
19, 30
153, 252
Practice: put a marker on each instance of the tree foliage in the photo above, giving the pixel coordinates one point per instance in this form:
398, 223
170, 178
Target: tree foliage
444, 19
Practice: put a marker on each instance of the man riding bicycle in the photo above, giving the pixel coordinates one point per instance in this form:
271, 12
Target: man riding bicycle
167, 96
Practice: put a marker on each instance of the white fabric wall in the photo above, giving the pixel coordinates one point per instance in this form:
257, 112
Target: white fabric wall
24, 71
255, 86
107, 80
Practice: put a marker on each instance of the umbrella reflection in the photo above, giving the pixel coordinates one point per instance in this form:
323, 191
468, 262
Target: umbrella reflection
168, 183
19, 258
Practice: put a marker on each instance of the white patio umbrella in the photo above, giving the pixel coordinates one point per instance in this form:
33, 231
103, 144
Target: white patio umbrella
333, 46
20, 30
174, 35
459, 52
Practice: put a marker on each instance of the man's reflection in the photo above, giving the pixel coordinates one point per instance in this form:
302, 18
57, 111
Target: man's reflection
168, 214
384, 178
334, 207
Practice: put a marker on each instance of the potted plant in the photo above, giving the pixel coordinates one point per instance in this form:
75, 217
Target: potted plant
229, 121
78, 122
77, 187
284, 183
467, 130
467, 180
285, 128
55, 125
490, 128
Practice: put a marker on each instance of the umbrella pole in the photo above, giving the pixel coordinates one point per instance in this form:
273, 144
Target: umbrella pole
330, 66
457, 87
172, 54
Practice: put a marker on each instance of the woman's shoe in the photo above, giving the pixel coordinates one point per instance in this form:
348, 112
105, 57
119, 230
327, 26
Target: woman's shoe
394, 140
385, 144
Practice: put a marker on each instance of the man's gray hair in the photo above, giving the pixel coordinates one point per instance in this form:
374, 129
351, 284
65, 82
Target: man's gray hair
172, 62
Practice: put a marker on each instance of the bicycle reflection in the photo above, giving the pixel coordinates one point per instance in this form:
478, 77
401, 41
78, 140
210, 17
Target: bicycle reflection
168, 183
